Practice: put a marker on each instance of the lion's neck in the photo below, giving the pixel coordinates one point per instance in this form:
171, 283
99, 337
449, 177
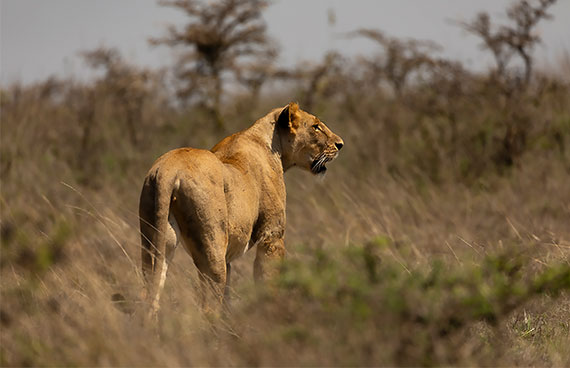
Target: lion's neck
266, 132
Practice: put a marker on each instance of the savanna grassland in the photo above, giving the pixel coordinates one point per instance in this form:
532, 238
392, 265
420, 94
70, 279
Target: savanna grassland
440, 235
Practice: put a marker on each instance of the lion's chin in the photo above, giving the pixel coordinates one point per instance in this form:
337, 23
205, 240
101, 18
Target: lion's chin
320, 170
318, 165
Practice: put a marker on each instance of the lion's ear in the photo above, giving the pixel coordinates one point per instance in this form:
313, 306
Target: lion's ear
288, 116
293, 108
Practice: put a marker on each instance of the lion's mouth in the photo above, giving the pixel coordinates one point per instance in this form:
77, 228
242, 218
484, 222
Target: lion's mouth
318, 164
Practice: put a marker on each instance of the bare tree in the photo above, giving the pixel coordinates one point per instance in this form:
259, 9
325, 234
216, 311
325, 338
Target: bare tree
399, 58
253, 74
316, 79
128, 85
222, 37
506, 41
82, 101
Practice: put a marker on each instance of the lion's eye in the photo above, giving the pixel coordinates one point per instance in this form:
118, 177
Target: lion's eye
316, 127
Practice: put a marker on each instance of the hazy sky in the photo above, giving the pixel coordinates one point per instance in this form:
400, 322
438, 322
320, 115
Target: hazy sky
39, 38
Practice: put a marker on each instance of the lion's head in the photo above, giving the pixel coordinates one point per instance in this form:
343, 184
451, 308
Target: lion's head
306, 141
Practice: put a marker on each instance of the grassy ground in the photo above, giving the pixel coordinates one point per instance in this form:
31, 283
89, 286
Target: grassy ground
420, 246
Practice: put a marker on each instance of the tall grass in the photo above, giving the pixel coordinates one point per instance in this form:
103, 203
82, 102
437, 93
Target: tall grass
439, 237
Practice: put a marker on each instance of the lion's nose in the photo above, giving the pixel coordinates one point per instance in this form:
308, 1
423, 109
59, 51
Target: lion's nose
339, 144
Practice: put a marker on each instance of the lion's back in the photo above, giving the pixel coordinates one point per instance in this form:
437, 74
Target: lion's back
186, 159
189, 178
183, 172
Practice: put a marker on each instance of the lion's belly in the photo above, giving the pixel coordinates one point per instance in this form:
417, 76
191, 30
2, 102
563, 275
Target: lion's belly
239, 234
242, 208
236, 250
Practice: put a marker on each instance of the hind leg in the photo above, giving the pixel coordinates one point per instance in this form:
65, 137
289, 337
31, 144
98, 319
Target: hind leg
210, 259
172, 241
152, 261
203, 224
227, 287
147, 221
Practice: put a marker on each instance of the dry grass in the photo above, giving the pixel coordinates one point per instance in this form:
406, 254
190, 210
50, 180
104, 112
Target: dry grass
67, 249
439, 237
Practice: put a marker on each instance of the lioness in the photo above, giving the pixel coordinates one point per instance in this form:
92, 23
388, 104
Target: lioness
222, 202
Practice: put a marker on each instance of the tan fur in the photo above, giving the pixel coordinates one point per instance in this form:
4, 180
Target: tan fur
222, 202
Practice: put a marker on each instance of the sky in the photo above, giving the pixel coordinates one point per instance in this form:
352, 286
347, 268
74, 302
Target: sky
40, 38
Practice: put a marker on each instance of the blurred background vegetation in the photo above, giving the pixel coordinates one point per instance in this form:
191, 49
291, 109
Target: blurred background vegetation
440, 236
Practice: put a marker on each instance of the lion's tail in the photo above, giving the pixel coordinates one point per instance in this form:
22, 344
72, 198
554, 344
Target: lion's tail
154, 208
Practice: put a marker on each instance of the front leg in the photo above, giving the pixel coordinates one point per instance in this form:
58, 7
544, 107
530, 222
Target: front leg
268, 234
269, 252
